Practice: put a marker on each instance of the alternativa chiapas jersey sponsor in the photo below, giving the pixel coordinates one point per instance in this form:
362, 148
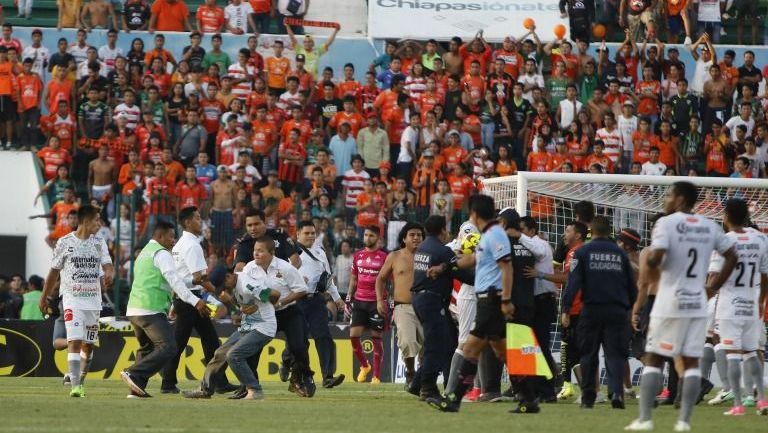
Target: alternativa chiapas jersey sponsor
80, 263
688, 240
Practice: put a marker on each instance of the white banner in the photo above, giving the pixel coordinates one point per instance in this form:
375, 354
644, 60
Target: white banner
444, 19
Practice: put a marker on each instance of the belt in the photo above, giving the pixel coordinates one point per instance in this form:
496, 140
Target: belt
547, 294
491, 292
402, 303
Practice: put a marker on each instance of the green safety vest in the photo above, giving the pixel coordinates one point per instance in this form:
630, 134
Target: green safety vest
30, 310
150, 291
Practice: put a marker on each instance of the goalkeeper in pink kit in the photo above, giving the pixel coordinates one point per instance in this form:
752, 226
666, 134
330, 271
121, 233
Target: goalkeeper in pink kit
366, 265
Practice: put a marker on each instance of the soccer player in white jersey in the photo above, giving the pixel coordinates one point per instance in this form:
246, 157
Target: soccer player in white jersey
80, 260
681, 246
739, 307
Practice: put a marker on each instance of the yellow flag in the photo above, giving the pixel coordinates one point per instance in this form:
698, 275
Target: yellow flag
524, 357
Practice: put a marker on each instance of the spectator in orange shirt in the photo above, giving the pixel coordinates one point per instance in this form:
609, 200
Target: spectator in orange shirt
52, 156
461, 188
30, 88
159, 51
598, 158
169, 16
190, 192
354, 119
131, 173
453, 152
369, 206
174, 171
668, 146
210, 18
470, 124
559, 158
537, 161
65, 212
477, 50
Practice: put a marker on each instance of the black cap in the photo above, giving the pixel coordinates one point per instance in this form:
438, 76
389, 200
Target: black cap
217, 276
300, 57
509, 218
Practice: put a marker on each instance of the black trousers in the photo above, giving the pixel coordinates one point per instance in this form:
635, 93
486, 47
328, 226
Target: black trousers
612, 331
292, 323
545, 313
316, 316
187, 318
439, 338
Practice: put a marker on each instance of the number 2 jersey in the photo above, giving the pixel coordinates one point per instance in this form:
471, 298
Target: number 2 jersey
80, 262
689, 240
740, 295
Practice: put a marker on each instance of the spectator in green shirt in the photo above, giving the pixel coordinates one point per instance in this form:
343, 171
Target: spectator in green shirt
557, 84
216, 56
29, 309
311, 54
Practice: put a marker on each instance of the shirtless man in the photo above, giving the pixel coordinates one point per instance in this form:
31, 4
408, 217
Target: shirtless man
102, 15
717, 94
399, 266
223, 199
454, 64
597, 107
101, 176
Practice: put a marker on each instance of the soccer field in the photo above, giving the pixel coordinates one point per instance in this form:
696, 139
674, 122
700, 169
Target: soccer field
43, 405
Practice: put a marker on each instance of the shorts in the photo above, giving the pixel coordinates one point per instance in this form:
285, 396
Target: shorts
746, 8
59, 329
82, 325
467, 311
99, 192
675, 24
410, 334
761, 341
365, 314
7, 108
677, 336
489, 321
741, 334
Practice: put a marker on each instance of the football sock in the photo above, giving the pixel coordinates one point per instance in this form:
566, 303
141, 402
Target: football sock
73, 364
650, 382
707, 359
85, 364
357, 349
721, 362
753, 368
734, 376
691, 390
466, 377
453, 377
378, 355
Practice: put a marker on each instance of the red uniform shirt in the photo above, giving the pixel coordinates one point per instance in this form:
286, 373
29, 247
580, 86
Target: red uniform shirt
210, 18
366, 266
52, 159
461, 188
190, 195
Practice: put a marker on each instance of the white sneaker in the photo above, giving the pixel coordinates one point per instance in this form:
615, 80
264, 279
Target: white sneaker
682, 426
638, 425
600, 398
722, 396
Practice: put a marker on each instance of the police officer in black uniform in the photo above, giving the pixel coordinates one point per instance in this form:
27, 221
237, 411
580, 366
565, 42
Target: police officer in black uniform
431, 297
285, 249
603, 273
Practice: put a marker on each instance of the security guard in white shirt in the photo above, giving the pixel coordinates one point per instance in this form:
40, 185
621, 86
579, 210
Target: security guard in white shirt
316, 272
286, 279
192, 268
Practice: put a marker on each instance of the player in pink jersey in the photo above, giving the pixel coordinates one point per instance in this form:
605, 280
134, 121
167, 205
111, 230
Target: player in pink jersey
366, 265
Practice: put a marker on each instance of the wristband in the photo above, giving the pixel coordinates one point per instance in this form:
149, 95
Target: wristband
506, 301
541, 276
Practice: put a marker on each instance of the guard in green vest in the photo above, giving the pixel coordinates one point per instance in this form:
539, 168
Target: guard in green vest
155, 278
29, 309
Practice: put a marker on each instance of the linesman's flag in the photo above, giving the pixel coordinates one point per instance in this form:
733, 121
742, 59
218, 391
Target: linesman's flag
524, 357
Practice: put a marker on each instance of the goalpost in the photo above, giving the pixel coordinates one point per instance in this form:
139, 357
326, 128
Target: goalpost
628, 202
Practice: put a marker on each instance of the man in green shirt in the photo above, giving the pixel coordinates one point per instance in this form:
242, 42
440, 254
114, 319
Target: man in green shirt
557, 84
588, 81
29, 309
155, 280
307, 48
216, 56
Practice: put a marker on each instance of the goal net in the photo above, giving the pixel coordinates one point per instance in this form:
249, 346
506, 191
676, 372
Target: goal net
627, 201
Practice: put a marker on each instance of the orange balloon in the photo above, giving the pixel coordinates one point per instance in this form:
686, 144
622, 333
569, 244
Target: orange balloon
560, 31
528, 23
599, 31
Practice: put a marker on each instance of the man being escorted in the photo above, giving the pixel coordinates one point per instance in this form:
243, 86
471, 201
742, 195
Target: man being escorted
602, 272
155, 277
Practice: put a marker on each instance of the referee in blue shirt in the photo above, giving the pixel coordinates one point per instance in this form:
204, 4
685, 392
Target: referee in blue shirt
603, 273
493, 287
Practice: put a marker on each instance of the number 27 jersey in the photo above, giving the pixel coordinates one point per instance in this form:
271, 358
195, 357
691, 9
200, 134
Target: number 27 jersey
739, 296
688, 240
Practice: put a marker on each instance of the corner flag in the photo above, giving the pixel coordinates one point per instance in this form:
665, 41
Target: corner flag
524, 357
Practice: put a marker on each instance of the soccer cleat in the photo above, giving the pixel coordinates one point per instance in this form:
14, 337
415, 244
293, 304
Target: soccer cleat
444, 403
196, 394
682, 426
721, 397
762, 407
566, 392
638, 425
363, 375
472, 396
663, 395
735, 411
375, 380
526, 408
77, 391
126, 377
748, 401
330, 382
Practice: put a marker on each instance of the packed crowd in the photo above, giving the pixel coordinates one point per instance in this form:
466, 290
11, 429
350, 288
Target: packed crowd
165, 129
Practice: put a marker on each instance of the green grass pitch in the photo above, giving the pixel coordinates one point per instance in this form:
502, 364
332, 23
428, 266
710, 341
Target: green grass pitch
43, 405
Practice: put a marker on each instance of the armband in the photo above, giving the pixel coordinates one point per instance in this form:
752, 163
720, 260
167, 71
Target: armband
541, 276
